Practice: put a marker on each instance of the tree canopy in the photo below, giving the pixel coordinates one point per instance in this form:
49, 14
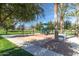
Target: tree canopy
20, 11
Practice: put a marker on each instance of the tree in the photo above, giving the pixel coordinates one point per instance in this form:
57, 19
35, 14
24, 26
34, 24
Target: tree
63, 10
50, 26
75, 13
21, 12
8, 24
77, 22
28, 12
33, 29
67, 24
5, 12
61, 18
56, 20
39, 26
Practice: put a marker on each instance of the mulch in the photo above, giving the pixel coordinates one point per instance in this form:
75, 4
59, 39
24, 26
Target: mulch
59, 47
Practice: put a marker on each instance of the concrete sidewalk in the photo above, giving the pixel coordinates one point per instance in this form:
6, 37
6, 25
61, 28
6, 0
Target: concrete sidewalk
74, 41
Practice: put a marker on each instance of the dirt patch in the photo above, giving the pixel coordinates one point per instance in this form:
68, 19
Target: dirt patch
36, 37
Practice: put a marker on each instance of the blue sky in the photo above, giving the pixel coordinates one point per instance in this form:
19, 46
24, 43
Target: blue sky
49, 15
48, 12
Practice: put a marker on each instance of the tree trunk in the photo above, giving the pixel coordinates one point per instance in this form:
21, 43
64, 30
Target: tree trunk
61, 20
56, 20
76, 31
0, 12
23, 28
33, 30
77, 22
6, 31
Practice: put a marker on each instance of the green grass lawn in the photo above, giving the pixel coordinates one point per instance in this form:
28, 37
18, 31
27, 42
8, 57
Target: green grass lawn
9, 49
2, 31
69, 32
19, 32
10, 32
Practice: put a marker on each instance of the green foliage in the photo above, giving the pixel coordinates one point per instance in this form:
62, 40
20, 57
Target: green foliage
13, 32
23, 12
39, 26
8, 22
50, 26
67, 24
27, 12
64, 10
20, 11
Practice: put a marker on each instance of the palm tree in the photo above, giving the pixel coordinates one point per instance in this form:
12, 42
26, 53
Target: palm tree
61, 19
63, 10
56, 20
67, 24
77, 21
75, 13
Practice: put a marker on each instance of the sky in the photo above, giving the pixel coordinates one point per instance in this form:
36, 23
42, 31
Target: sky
49, 15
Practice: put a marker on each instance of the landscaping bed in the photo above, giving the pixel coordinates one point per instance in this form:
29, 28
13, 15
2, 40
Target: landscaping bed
59, 47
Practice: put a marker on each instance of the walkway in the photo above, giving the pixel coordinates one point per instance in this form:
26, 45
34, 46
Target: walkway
33, 49
74, 41
39, 51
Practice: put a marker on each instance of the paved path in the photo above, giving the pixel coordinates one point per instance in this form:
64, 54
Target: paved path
33, 49
38, 51
74, 41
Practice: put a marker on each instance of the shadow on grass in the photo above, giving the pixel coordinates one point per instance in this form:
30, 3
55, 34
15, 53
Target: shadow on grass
9, 49
1, 38
16, 35
14, 52
4, 34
